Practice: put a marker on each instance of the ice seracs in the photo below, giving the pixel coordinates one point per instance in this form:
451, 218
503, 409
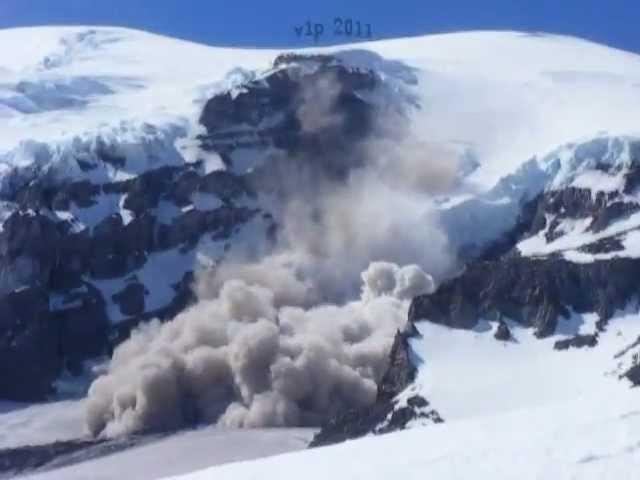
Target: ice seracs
600, 174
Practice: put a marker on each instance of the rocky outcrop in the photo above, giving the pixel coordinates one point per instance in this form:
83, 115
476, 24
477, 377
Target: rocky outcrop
58, 263
536, 293
131, 299
577, 341
401, 371
28, 340
540, 290
315, 114
387, 413
79, 256
502, 332
633, 374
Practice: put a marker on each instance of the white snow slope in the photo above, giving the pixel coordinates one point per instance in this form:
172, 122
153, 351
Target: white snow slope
599, 165
507, 95
25, 424
59, 82
183, 453
512, 410
570, 440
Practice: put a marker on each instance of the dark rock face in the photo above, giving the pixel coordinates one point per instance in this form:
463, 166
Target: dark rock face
36, 342
131, 299
384, 415
416, 409
83, 326
276, 107
67, 239
401, 370
26, 348
577, 341
535, 292
61, 265
380, 418
539, 292
350, 424
633, 374
630, 355
53, 314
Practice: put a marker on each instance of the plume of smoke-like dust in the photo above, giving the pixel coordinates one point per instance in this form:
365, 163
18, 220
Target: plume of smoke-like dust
305, 330
242, 360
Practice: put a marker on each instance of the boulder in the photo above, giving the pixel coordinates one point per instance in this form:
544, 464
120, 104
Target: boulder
502, 332
577, 341
131, 299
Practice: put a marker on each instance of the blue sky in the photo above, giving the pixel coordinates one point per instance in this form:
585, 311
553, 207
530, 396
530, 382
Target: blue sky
272, 22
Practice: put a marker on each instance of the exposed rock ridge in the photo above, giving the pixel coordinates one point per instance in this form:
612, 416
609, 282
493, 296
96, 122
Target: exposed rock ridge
385, 415
539, 290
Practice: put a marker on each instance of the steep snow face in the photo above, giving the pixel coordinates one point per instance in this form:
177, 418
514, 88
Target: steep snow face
57, 83
601, 221
26, 424
589, 197
60, 82
468, 373
513, 95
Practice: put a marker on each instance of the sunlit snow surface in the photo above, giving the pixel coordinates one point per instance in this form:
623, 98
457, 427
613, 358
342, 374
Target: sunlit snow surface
575, 166
37, 424
58, 82
590, 438
506, 95
480, 219
467, 374
183, 452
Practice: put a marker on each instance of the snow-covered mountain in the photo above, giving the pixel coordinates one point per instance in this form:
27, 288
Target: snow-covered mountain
244, 191
556, 285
